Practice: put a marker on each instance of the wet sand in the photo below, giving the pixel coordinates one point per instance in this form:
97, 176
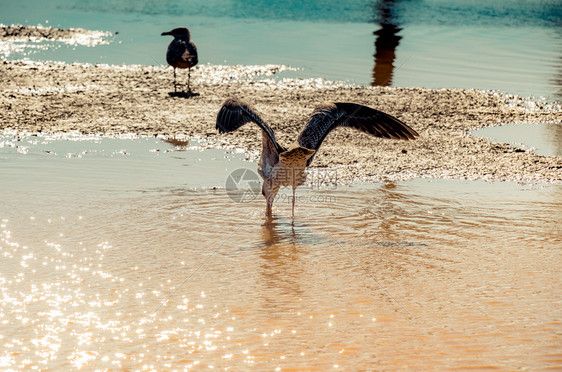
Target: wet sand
57, 97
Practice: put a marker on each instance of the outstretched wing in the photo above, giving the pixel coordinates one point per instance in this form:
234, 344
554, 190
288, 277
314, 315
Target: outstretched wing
234, 113
329, 116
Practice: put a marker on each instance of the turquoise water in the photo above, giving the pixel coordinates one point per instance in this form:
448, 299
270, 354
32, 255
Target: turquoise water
513, 46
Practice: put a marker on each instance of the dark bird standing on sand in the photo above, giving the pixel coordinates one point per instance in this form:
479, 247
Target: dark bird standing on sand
280, 166
182, 52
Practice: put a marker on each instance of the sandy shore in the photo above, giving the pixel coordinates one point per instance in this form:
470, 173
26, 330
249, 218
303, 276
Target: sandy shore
58, 97
41, 33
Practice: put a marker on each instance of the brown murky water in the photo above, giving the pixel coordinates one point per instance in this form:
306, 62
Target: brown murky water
116, 254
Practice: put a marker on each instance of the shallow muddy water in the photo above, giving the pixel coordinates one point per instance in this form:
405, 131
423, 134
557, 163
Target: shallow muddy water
544, 139
118, 253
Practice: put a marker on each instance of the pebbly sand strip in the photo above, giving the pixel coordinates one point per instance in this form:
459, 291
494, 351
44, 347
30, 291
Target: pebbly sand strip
73, 36
52, 97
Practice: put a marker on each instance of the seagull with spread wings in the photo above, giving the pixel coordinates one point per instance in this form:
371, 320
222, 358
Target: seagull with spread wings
280, 166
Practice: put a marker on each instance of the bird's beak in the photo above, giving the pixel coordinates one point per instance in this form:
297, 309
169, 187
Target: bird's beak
165, 33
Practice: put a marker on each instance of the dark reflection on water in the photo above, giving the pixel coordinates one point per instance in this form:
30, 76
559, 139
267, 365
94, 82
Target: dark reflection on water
392, 16
387, 40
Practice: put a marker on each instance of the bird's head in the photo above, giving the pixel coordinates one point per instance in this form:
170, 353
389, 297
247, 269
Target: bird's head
178, 32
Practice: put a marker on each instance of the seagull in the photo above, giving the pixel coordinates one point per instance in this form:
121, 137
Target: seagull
182, 52
285, 166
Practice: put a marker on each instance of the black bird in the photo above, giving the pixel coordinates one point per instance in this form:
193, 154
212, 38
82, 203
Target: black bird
182, 52
280, 166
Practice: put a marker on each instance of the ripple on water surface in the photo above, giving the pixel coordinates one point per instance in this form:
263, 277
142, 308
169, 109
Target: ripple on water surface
123, 255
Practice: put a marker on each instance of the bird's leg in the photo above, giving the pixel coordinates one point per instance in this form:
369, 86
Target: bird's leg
269, 203
188, 79
268, 208
270, 191
175, 86
293, 209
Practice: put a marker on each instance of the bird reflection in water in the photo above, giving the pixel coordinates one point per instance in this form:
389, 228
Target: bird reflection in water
280, 233
275, 233
270, 232
281, 263
387, 40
